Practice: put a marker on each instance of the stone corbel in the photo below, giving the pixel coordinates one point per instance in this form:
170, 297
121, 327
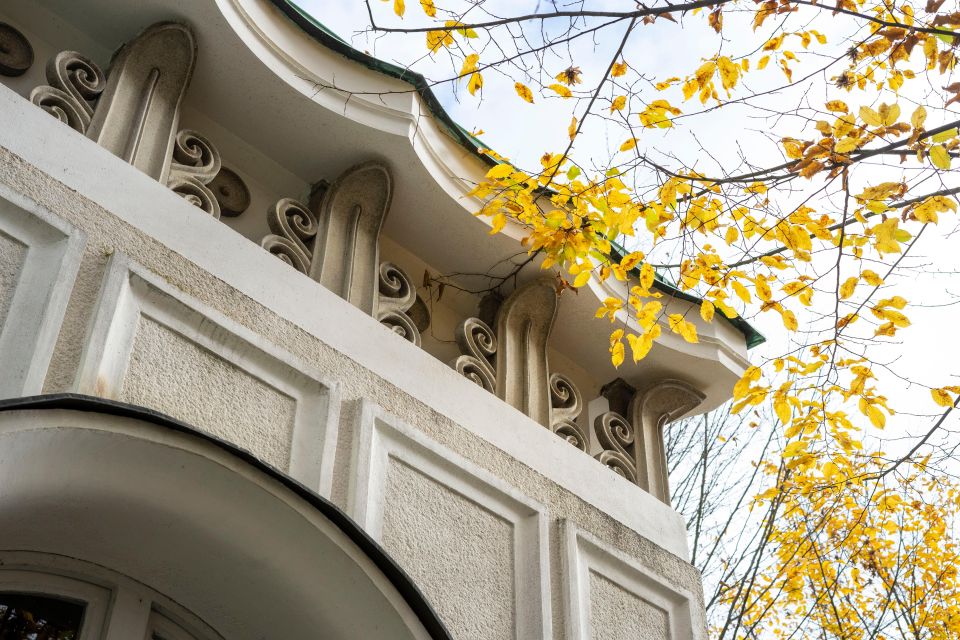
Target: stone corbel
138, 113
350, 213
524, 322
651, 410
335, 240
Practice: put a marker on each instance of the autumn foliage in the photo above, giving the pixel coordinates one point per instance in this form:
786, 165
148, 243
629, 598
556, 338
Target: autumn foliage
856, 542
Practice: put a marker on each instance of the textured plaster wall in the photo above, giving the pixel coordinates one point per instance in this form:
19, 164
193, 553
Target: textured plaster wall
617, 614
169, 372
107, 233
12, 256
430, 530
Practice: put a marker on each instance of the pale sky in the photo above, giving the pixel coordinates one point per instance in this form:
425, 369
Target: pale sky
925, 353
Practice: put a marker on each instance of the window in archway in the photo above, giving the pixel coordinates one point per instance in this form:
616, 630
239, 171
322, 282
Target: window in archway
25, 616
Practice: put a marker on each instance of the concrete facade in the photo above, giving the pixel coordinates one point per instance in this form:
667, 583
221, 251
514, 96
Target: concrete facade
115, 286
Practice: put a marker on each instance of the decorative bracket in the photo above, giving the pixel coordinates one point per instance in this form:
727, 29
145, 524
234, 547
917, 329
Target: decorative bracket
651, 410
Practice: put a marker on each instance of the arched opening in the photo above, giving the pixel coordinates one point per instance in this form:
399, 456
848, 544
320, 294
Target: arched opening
217, 534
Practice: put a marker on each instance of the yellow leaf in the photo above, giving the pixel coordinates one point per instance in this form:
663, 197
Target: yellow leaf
940, 157
616, 353
523, 91
582, 278
941, 397
848, 287
731, 235
618, 69
500, 171
399, 7
871, 278
705, 72
763, 62
729, 72
469, 64
790, 320
919, 117
429, 8
875, 415
927, 210
618, 103
795, 448
741, 292
870, 117
439, 38
762, 288
707, 310
629, 144
683, 327
561, 90
888, 113
890, 502
499, 221
943, 136
838, 105
782, 408
647, 275
572, 129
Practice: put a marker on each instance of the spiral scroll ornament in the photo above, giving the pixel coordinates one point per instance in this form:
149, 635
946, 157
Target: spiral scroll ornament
75, 85
566, 404
195, 163
294, 227
397, 296
478, 347
617, 436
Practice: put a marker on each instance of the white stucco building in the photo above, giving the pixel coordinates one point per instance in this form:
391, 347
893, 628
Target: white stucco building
201, 440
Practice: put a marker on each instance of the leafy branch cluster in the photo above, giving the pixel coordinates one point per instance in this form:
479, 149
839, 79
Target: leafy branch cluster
860, 109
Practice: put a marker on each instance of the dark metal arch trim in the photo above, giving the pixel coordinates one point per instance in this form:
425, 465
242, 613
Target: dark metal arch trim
397, 576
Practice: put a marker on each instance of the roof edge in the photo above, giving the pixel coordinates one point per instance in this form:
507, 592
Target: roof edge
315, 29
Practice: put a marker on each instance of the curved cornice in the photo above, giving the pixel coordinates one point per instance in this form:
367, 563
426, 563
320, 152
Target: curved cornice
431, 148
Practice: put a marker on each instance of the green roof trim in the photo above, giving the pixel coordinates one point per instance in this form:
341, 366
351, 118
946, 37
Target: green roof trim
319, 32
315, 29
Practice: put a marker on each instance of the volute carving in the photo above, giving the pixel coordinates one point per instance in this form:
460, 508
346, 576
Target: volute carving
194, 164
478, 346
76, 84
618, 440
397, 295
350, 214
524, 322
651, 410
138, 113
566, 404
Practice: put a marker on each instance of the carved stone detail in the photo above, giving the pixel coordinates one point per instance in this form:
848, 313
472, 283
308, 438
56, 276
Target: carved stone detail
230, 191
566, 404
617, 437
524, 321
195, 163
350, 213
478, 346
139, 111
397, 295
76, 84
16, 53
294, 227
651, 410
